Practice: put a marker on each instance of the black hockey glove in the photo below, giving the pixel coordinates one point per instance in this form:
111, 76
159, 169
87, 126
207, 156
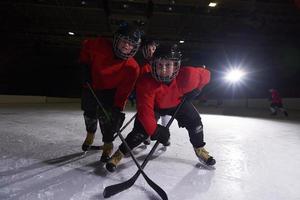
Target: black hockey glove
192, 94
117, 119
162, 134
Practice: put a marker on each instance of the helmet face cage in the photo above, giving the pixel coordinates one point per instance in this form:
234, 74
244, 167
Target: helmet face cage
169, 54
129, 34
156, 67
117, 39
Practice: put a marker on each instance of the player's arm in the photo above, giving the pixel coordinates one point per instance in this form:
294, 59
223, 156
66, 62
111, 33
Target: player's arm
145, 105
126, 86
192, 79
146, 115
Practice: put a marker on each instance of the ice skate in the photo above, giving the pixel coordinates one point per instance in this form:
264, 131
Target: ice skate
147, 141
114, 160
88, 141
204, 156
107, 151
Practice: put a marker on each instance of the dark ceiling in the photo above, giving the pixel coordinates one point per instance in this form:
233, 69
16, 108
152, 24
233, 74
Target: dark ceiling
267, 31
265, 21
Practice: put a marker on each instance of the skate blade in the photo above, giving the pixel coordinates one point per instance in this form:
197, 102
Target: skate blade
201, 164
163, 148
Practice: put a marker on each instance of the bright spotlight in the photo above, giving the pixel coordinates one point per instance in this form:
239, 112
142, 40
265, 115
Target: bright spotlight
212, 4
235, 75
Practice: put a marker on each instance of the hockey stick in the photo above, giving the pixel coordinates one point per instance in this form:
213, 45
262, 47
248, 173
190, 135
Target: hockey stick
117, 188
99, 103
160, 191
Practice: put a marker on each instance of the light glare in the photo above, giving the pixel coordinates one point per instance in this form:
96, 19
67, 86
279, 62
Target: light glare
212, 4
235, 75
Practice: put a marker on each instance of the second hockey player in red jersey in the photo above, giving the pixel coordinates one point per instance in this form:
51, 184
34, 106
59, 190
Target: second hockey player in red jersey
158, 94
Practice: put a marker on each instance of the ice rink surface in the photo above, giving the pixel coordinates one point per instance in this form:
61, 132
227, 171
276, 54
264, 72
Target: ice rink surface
41, 158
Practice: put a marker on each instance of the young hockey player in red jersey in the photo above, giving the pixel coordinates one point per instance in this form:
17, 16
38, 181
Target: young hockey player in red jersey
148, 48
158, 94
112, 72
276, 103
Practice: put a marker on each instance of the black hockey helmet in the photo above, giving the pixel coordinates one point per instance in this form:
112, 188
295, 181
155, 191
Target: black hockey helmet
146, 41
130, 33
165, 63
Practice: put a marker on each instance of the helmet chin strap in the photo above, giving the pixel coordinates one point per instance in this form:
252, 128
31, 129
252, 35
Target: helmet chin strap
167, 82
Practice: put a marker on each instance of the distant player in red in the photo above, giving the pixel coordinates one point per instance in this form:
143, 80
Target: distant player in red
158, 94
112, 71
276, 103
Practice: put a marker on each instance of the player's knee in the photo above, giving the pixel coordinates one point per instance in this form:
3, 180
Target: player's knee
196, 129
90, 114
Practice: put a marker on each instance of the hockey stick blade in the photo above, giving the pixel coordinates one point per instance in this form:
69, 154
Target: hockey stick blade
117, 188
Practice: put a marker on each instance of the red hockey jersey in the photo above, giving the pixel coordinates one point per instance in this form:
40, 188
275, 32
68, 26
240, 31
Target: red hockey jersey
275, 97
152, 94
145, 68
108, 71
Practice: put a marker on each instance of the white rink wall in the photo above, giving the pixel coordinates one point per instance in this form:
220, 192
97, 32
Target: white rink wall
12, 99
289, 103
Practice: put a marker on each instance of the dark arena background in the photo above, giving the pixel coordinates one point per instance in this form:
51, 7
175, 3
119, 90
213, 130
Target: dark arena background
41, 40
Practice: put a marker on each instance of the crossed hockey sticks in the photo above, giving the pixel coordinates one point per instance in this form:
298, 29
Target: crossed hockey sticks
117, 188
159, 191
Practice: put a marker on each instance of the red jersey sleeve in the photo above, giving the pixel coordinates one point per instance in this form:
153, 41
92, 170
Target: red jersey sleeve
145, 104
276, 97
131, 73
190, 78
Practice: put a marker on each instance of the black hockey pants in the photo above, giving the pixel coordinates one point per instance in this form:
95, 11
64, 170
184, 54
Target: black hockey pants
92, 113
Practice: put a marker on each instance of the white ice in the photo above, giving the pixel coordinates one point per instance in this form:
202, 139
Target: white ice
257, 159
